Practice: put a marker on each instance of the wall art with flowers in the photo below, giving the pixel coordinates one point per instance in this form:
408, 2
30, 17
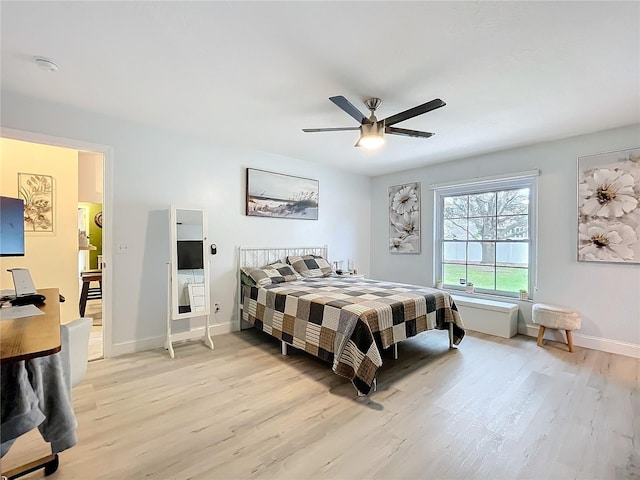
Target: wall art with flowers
37, 192
404, 218
609, 207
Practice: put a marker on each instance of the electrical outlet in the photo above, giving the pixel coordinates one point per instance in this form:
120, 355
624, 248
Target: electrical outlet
216, 307
123, 247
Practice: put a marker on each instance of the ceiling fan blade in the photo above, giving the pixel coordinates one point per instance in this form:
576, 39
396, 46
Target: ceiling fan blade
414, 112
337, 129
408, 133
348, 107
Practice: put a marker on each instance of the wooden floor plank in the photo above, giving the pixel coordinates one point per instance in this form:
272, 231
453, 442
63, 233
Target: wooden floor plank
493, 408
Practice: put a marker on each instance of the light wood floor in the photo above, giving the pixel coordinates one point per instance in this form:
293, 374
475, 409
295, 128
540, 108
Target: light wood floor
492, 409
94, 310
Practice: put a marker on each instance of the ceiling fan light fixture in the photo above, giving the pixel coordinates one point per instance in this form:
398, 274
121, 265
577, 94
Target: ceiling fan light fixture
371, 135
371, 130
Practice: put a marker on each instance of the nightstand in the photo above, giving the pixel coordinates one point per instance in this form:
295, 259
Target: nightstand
358, 276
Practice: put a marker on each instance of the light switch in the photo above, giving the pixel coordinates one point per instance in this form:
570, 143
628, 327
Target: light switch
123, 247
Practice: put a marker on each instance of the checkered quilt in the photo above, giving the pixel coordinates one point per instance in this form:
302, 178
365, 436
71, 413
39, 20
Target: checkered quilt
347, 322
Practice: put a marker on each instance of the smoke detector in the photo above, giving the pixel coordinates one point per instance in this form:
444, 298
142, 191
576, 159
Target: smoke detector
45, 64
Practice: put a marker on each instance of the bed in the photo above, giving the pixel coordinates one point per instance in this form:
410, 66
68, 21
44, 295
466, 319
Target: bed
344, 321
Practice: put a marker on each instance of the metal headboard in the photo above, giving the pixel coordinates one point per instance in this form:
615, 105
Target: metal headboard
261, 256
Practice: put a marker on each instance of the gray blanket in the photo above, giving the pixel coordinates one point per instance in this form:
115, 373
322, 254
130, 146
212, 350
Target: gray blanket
35, 393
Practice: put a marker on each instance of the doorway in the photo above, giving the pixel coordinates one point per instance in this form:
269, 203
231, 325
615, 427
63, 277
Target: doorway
90, 261
97, 308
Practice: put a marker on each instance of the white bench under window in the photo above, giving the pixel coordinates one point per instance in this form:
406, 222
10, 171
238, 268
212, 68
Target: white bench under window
488, 316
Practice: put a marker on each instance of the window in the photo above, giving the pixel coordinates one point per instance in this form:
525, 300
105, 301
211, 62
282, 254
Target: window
485, 234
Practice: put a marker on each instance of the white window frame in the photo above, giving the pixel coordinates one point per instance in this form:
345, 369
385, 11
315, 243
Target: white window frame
528, 179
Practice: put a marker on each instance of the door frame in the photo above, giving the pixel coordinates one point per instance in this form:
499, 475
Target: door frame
107, 208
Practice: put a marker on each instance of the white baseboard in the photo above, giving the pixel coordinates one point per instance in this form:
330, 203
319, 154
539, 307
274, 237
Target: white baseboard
124, 348
606, 345
581, 340
587, 341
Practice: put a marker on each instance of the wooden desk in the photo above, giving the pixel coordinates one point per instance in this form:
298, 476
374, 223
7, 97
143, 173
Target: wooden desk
31, 337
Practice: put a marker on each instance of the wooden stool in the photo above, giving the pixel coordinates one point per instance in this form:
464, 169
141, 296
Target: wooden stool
87, 292
552, 316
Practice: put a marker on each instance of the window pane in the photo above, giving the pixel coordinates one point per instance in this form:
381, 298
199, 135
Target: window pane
482, 253
482, 205
455, 229
455, 207
514, 227
453, 273
486, 235
454, 252
513, 202
482, 228
512, 279
512, 254
481, 276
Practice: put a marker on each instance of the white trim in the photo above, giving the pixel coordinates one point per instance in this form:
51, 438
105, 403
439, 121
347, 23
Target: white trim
482, 180
489, 184
107, 209
159, 342
588, 341
607, 345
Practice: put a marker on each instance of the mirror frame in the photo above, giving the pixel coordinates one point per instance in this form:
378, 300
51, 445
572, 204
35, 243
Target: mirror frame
173, 263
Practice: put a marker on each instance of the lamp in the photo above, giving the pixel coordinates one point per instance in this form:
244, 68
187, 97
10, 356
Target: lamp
371, 135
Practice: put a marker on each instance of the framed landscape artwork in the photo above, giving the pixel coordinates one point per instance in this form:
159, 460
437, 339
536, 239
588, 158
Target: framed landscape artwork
404, 218
609, 207
37, 193
283, 196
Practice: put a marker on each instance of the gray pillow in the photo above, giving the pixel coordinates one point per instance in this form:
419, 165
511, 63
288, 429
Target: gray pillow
274, 273
310, 266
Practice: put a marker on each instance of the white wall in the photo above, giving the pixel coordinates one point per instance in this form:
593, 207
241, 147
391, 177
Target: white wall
607, 295
152, 169
90, 177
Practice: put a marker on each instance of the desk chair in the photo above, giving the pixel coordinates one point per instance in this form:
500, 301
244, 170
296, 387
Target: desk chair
74, 338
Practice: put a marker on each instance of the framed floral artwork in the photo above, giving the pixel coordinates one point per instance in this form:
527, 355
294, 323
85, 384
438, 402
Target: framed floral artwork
609, 207
404, 218
37, 193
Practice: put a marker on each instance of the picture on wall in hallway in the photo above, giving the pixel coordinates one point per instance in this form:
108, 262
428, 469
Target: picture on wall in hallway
609, 207
404, 218
37, 192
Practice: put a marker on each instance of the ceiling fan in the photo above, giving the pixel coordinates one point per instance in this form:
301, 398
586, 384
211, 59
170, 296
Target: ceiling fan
371, 129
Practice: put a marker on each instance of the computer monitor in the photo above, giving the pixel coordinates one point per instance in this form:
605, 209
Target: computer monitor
11, 227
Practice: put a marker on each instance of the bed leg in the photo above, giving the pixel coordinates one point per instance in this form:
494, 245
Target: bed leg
395, 351
284, 348
450, 335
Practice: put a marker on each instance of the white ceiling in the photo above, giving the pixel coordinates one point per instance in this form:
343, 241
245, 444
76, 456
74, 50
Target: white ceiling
255, 73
